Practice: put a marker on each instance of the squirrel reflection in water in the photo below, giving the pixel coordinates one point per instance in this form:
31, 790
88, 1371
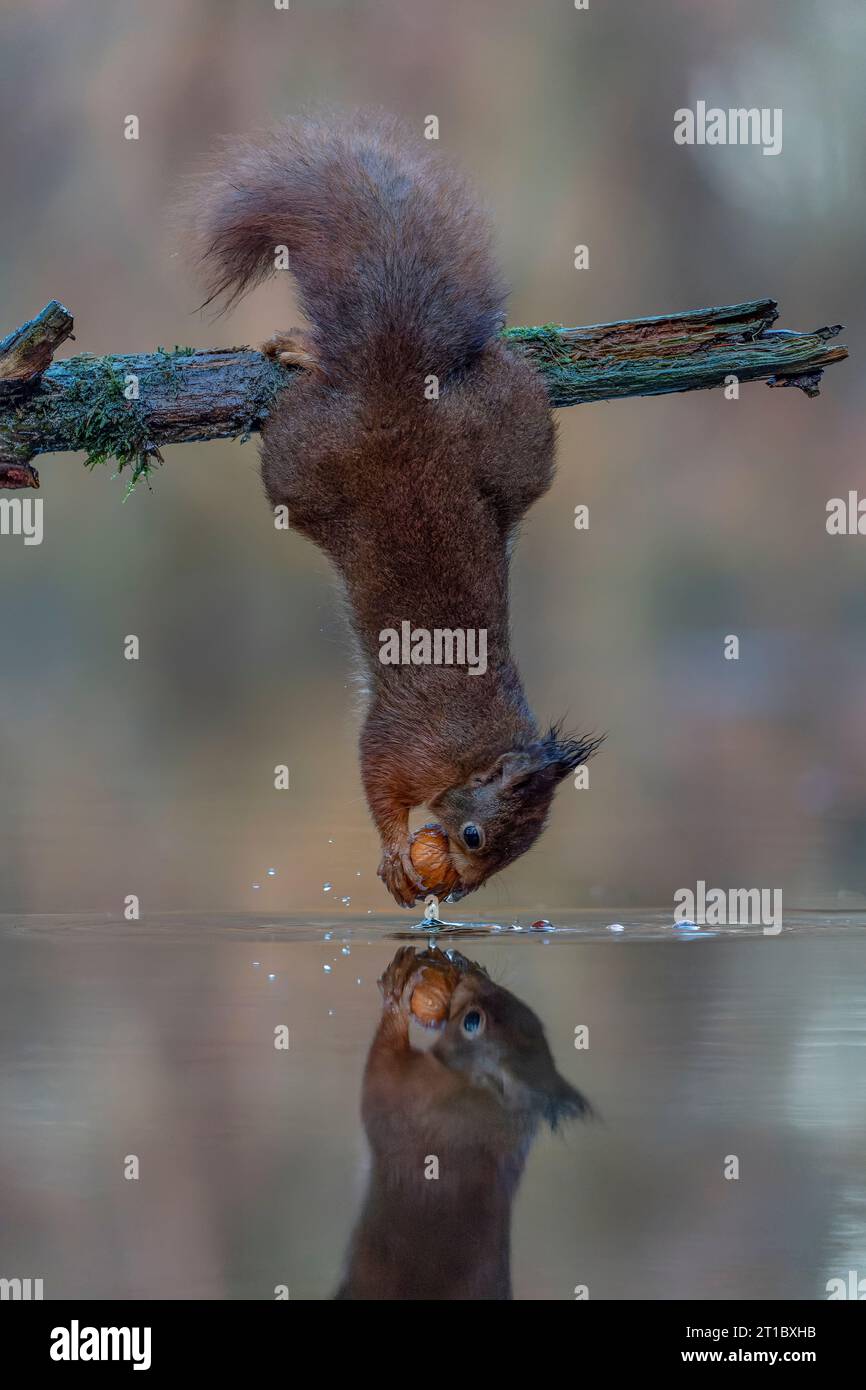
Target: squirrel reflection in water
467, 1110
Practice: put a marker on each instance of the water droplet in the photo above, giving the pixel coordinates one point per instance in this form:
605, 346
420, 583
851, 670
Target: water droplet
326, 887
345, 951
327, 969
330, 1013
257, 885
272, 977
256, 962
358, 874
328, 935
687, 926
345, 901
272, 873
616, 926
330, 842
358, 981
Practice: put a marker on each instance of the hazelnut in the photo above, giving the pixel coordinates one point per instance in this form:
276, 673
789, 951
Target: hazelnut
431, 997
428, 850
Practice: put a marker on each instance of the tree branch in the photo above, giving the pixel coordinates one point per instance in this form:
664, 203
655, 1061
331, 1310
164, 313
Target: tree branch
127, 407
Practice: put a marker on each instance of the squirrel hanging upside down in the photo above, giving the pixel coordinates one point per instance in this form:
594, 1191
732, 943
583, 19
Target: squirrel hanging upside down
408, 449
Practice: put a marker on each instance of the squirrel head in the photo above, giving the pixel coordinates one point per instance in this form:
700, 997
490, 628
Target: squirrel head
498, 813
499, 1044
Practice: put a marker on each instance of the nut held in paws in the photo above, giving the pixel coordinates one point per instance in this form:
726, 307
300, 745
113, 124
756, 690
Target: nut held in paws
431, 997
429, 854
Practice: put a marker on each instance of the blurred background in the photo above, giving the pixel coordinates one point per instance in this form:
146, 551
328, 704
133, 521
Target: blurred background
707, 517
155, 777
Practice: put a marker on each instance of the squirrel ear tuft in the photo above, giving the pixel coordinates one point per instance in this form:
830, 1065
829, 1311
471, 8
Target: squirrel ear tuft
548, 760
563, 754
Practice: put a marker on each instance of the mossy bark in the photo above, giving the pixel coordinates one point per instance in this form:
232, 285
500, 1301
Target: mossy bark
127, 407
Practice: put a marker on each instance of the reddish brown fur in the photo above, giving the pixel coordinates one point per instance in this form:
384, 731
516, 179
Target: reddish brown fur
475, 1102
415, 500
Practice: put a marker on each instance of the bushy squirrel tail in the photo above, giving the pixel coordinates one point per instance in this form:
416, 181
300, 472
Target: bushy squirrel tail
391, 254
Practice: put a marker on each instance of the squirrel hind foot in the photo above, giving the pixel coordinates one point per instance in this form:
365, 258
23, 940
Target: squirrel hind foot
292, 348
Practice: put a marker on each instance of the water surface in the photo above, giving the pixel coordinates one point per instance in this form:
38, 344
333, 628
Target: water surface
156, 1039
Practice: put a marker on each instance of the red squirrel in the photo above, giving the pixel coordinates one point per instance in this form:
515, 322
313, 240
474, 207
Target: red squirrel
449, 1130
408, 450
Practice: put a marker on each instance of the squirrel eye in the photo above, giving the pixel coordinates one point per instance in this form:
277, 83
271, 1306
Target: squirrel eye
471, 836
473, 1021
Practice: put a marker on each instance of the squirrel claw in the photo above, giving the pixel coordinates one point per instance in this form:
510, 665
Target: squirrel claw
396, 979
397, 872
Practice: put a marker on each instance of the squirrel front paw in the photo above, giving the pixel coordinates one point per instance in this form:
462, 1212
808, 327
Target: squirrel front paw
399, 875
400, 977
